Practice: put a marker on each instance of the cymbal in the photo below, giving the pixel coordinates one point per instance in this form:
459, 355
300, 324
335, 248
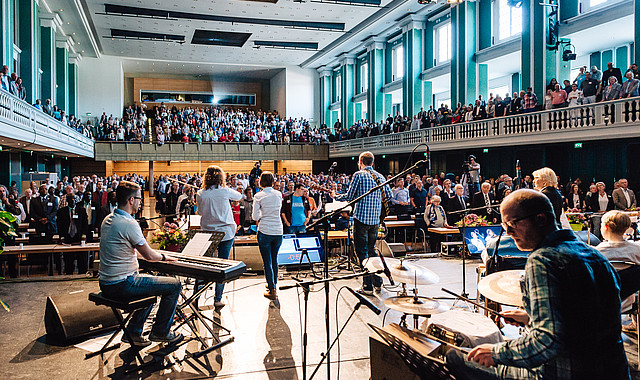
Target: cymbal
403, 271
415, 305
503, 287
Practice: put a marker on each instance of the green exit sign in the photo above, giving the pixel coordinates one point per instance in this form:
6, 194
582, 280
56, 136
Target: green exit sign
577, 145
485, 150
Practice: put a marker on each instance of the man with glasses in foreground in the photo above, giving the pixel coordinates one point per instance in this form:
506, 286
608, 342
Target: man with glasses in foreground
571, 299
120, 237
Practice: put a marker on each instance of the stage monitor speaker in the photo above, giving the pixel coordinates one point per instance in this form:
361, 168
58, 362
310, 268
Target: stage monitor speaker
250, 256
69, 317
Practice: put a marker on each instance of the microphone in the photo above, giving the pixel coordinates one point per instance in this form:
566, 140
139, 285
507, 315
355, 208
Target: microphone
333, 166
385, 269
364, 301
428, 159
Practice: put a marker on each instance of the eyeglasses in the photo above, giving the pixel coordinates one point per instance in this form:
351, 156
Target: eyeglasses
137, 197
513, 223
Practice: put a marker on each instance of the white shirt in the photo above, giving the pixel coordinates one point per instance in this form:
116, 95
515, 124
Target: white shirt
266, 210
603, 201
215, 209
621, 251
626, 195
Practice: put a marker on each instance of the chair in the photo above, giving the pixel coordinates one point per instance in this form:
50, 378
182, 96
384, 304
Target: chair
420, 229
629, 274
117, 306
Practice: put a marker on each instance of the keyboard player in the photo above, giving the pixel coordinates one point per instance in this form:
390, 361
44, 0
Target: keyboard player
121, 237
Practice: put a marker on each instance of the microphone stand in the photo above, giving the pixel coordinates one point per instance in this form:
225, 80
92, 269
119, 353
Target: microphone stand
324, 221
306, 288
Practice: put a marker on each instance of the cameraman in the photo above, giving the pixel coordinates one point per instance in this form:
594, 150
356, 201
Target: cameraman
474, 175
255, 172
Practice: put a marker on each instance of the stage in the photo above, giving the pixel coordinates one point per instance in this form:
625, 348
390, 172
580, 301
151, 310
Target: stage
267, 334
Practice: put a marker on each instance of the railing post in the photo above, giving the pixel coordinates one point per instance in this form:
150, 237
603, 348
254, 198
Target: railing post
619, 111
598, 110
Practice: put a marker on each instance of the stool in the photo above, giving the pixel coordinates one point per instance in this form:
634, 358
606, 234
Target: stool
127, 307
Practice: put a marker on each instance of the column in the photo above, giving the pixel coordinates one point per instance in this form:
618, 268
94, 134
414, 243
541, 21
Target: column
325, 96
427, 94
62, 73
347, 106
30, 46
622, 59
484, 23
515, 83
151, 181
464, 68
6, 21
74, 58
534, 54
483, 81
595, 59
412, 29
568, 9
375, 96
48, 24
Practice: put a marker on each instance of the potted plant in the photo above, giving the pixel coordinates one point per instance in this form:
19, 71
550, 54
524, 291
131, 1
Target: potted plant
577, 220
8, 226
169, 237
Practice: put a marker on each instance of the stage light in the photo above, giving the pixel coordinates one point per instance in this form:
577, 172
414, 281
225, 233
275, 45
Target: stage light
568, 55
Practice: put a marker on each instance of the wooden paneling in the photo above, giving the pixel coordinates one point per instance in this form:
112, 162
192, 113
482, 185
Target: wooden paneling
187, 85
190, 167
295, 166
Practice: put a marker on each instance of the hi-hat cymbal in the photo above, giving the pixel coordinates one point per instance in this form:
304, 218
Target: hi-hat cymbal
503, 287
403, 271
415, 305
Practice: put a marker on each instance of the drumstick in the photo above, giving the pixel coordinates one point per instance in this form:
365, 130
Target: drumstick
483, 307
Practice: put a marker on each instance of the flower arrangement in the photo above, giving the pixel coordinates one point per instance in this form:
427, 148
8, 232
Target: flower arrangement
473, 220
169, 236
576, 219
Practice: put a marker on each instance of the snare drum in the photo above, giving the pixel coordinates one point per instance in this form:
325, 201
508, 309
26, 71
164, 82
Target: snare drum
462, 328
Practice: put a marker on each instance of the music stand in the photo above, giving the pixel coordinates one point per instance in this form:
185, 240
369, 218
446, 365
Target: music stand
420, 364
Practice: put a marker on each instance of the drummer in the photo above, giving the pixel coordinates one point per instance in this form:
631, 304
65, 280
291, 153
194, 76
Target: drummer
571, 298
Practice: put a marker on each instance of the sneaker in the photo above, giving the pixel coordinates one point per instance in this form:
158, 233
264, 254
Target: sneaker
137, 340
271, 294
377, 289
364, 291
219, 304
169, 338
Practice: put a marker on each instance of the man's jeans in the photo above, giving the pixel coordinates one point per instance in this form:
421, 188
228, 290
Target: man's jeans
139, 286
365, 236
269, 246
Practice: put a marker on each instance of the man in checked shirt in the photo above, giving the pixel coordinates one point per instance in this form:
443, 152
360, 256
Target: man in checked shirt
366, 216
571, 298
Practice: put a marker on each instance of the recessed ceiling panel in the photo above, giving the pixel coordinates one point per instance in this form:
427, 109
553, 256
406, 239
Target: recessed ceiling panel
212, 37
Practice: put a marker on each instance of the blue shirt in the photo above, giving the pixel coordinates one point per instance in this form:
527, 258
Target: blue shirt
367, 211
297, 211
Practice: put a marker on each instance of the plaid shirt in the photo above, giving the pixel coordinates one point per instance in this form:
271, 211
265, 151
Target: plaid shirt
571, 294
530, 101
367, 211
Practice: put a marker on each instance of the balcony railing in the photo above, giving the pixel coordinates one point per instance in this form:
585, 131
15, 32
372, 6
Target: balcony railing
21, 121
174, 151
606, 120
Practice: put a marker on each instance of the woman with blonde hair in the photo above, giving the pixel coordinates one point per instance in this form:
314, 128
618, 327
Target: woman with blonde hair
546, 182
214, 206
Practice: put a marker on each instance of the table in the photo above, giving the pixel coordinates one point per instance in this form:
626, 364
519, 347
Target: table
48, 248
443, 230
395, 217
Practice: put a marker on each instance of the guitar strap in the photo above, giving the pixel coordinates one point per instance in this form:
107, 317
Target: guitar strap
385, 201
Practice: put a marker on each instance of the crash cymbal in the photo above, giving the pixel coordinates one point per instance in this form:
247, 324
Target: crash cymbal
503, 287
415, 305
403, 271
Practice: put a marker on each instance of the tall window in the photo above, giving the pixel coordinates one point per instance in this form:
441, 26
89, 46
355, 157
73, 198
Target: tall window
443, 42
593, 3
338, 87
398, 62
508, 19
364, 76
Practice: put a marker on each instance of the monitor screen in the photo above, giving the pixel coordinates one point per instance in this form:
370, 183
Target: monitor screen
290, 251
476, 237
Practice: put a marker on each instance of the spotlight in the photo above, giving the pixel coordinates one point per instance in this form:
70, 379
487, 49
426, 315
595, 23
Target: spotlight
425, 2
568, 55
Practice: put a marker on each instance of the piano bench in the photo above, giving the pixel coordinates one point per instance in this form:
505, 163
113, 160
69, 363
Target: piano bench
125, 306
128, 307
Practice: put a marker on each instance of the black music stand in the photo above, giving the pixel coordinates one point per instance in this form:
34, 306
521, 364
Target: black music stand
423, 366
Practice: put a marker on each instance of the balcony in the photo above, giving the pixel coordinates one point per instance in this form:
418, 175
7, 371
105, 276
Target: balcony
126, 151
602, 121
25, 127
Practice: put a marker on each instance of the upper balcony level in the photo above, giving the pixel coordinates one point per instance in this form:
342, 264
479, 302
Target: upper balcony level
135, 151
601, 121
25, 127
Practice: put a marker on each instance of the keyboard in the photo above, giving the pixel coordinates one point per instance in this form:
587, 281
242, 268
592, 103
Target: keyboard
209, 269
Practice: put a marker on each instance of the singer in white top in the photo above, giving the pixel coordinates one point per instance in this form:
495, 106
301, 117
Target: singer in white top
266, 212
214, 206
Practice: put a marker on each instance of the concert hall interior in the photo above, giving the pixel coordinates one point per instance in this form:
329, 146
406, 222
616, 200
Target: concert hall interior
298, 189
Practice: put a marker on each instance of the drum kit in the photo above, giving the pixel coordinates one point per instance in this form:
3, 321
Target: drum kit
502, 287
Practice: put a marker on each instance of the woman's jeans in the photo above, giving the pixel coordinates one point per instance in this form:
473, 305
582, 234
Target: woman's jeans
269, 246
139, 286
224, 248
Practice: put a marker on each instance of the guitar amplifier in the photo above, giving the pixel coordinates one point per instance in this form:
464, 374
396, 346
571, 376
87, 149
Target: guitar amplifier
451, 248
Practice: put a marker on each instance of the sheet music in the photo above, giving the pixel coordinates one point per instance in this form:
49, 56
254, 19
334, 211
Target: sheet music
198, 244
330, 207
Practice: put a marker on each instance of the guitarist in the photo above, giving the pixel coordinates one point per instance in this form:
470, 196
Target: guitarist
367, 214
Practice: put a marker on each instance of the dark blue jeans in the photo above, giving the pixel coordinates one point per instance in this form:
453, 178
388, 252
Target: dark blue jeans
139, 286
365, 236
224, 248
269, 246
